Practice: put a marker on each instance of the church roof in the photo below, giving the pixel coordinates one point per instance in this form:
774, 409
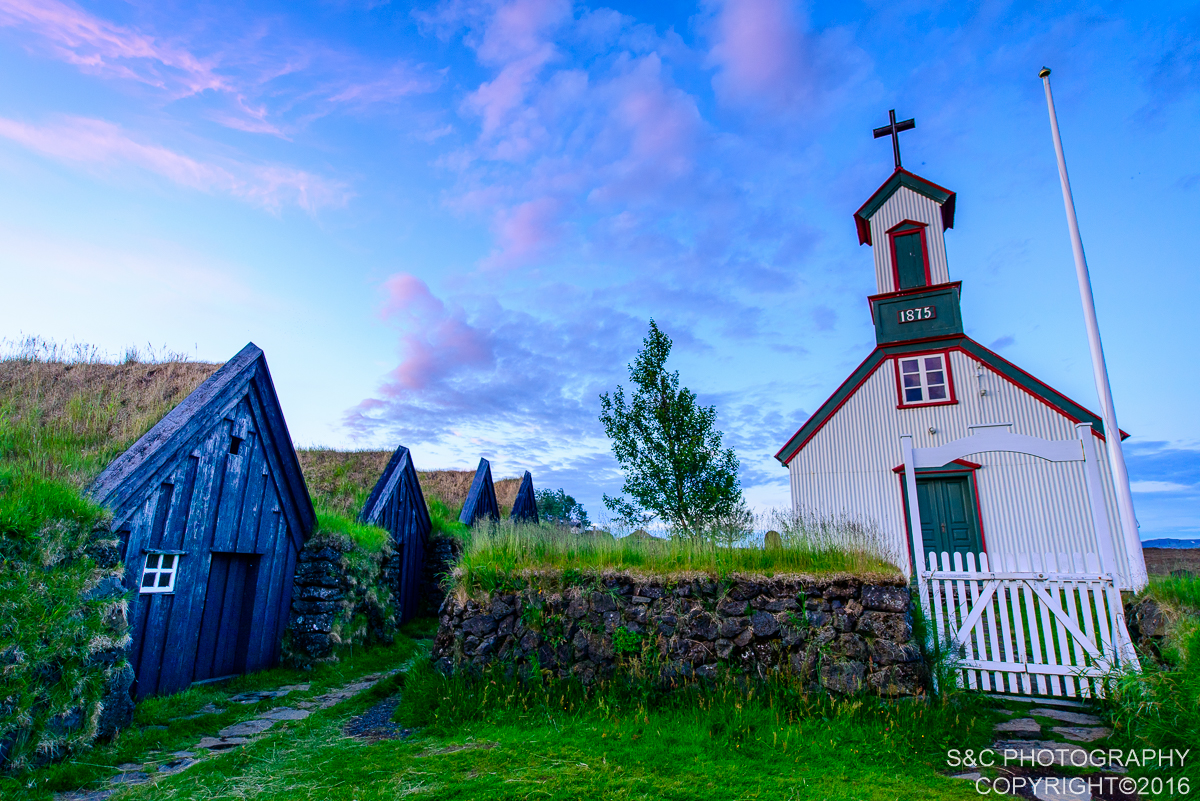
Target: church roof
902, 177
1044, 392
244, 376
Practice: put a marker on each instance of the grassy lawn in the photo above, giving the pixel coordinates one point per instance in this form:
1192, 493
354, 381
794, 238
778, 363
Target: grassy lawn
503, 738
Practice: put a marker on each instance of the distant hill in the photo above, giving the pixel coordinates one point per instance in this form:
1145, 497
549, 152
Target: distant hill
1166, 542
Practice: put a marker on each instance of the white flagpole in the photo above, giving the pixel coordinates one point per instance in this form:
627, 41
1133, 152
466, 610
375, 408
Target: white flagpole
1112, 433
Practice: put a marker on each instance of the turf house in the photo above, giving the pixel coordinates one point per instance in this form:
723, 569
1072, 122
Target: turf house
211, 510
481, 498
928, 381
524, 508
397, 505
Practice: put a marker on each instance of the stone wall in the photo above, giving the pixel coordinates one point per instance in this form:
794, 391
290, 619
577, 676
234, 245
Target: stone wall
838, 634
341, 595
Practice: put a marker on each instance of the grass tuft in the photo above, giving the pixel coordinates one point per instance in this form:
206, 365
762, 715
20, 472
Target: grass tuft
1159, 708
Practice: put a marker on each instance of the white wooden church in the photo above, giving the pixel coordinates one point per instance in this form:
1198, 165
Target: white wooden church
929, 384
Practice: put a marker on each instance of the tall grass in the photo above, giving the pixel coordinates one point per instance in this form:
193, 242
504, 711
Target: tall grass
497, 552
1160, 707
733, 712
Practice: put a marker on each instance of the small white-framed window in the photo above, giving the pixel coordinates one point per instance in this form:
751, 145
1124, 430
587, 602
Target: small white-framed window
924, 379
158, 575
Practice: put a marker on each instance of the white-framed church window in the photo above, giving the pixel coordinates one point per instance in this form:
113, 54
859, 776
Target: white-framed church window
158, 574
923, 379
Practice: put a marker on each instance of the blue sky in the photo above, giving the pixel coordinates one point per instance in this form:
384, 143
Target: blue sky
449, 223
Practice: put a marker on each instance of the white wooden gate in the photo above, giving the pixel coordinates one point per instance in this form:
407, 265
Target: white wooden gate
1040, 624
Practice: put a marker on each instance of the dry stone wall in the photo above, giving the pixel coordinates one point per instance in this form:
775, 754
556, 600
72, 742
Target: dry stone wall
340, 595
841, 634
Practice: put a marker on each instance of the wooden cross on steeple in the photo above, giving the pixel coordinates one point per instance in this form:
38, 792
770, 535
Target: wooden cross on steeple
892, 129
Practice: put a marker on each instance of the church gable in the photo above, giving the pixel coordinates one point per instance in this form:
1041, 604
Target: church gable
982, 371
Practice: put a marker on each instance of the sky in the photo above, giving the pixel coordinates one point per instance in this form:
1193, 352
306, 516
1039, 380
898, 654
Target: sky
448, 224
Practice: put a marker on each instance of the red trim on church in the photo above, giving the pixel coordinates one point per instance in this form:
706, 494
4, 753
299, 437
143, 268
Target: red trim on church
894, 232
899, 293
970, 474
826, 415
945, 354
968, 464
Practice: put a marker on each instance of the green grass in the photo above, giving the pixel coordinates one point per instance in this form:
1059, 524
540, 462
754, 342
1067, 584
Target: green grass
1177, 591
499, 552
370, 539
444, 520
1160, 707
161, 723
498, 738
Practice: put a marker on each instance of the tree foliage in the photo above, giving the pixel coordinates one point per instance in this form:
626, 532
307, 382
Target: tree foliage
559, 507
669, 448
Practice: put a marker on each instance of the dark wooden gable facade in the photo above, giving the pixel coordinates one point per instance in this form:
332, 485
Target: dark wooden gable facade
212, 511
524, 508
398, 505
481, 499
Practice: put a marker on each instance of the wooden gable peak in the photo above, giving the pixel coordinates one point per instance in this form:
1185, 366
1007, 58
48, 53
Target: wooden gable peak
481, 500
399, 478
525, 506
244, 376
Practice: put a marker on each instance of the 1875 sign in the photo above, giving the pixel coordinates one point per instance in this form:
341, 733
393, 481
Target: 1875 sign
919, 313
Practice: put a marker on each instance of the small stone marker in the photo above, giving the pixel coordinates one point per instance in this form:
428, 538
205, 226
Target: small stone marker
1082, 734
1078, 718
773, 541
1020, 726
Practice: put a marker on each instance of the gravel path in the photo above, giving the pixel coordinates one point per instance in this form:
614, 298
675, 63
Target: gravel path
376, 723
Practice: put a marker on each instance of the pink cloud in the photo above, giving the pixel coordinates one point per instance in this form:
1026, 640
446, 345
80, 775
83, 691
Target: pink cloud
99, 143
104, 48
525, 231
436, 343
767, 56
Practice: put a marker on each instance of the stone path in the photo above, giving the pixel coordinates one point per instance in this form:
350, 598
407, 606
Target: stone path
228, 738
1031, 753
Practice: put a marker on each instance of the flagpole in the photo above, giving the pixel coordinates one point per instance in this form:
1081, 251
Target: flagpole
1112, 433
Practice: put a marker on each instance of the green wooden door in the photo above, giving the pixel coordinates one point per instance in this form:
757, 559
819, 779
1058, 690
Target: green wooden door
910, 260
949, 521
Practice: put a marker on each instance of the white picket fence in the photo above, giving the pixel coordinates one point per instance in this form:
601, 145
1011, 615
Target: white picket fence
1040, 624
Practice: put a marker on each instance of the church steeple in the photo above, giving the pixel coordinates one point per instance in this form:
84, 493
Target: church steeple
904, 222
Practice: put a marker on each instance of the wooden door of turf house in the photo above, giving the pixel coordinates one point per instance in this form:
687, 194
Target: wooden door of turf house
228, 614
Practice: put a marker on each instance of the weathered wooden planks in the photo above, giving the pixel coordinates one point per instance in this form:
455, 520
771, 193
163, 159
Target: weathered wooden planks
397, 504
524, 508
481, 499
216, 481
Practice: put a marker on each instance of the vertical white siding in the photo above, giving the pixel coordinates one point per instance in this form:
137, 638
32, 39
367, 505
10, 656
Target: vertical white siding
1027, 505
906, 204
